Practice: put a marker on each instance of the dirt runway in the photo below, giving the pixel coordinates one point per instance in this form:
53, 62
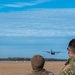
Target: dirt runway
24, 67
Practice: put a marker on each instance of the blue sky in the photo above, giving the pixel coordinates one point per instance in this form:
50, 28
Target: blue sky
29, 27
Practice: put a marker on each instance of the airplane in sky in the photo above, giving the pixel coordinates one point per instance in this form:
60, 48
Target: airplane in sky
52, 52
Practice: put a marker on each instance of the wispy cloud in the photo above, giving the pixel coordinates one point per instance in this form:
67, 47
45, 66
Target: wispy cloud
13, 5
17, 5
29, 32
23, 4
53, 22
40, 33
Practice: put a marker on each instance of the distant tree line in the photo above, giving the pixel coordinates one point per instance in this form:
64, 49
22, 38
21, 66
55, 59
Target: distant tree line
14, 59
28, 59
54, 59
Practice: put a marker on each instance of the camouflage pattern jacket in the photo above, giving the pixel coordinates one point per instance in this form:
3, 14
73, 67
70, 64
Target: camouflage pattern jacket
41, 72
69, 68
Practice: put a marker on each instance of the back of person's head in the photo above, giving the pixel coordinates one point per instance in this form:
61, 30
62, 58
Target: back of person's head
71, 45
37, 62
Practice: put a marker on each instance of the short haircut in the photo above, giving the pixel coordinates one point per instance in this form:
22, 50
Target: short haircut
72, 45
37, 62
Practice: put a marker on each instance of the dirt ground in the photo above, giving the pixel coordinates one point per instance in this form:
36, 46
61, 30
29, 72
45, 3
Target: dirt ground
24, 67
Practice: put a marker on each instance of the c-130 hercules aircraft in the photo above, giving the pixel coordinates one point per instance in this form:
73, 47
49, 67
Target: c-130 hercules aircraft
52, 52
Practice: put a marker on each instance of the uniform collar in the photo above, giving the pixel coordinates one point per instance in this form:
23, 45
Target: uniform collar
71, 58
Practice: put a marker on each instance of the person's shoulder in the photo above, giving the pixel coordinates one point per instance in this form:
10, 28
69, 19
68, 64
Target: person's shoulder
41, 72
50, 73
69, 68
65, 70
45, 72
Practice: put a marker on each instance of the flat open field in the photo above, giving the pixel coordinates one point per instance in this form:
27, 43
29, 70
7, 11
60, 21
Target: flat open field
23, 68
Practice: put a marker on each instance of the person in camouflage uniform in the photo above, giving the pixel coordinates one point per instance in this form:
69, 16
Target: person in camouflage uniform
69, 68
37, 63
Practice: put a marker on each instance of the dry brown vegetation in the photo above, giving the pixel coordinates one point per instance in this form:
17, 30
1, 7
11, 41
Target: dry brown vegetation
23, 68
